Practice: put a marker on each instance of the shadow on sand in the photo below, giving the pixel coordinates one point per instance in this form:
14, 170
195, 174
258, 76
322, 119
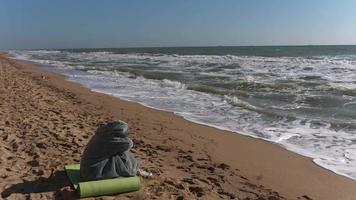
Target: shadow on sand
53, 183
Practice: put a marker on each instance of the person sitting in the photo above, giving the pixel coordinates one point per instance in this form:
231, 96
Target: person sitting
107, 155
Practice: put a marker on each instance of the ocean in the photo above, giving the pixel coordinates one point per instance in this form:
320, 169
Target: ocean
300, 97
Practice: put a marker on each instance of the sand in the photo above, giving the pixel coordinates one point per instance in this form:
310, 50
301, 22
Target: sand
46, 121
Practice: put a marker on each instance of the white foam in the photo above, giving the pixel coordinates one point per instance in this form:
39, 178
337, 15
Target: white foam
174, 84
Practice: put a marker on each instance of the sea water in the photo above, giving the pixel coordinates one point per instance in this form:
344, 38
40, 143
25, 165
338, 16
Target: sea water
301, 97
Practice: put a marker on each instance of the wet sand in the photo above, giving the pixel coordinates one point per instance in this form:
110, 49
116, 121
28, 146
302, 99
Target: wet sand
46, 121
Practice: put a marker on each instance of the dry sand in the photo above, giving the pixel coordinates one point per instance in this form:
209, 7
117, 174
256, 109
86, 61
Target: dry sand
45, 122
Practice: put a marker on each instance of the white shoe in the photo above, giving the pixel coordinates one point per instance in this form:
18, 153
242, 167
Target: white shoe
143, 173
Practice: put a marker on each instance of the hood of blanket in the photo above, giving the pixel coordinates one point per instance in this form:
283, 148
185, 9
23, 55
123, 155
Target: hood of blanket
114, 129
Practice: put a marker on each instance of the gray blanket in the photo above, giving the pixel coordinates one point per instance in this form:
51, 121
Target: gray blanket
107, 154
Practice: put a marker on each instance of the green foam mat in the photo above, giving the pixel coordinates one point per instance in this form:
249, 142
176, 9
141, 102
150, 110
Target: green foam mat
100, 187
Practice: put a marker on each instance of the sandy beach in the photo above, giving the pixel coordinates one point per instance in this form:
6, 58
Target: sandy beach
46, 121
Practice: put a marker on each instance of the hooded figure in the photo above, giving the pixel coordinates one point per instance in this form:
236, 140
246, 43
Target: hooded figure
107, 154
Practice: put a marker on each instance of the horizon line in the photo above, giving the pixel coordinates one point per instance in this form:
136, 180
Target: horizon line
136, 47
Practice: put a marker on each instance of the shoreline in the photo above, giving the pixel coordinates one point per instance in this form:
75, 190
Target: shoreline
308, 155
295, 149
267, 166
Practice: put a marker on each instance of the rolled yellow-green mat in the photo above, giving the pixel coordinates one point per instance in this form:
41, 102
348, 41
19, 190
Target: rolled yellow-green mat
108, 186
101, 187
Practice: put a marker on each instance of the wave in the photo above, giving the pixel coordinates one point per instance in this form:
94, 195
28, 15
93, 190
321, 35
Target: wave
173, 84
235, 101
207, 89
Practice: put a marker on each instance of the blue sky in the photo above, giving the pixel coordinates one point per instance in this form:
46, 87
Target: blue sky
134, 23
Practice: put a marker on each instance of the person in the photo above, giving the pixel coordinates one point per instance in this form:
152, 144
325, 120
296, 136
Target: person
107, 155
